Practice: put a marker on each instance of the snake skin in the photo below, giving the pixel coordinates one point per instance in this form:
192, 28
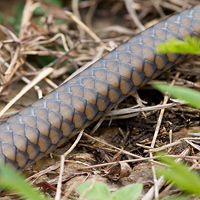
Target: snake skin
54, 119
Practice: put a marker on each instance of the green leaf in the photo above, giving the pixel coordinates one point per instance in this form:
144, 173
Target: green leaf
45, 60
180, 175
129, 192
190, 45
94, 191
39, 11
190, 96
12, 180
16, 20
56, 2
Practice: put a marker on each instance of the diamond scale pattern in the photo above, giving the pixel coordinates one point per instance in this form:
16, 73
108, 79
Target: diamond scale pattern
52, 120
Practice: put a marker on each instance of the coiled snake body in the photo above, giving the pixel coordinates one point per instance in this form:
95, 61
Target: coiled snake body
52, 120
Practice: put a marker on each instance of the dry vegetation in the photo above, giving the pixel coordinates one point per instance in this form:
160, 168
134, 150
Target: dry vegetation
50, 45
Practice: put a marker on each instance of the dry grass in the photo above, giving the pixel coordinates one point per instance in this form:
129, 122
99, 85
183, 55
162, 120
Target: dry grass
75, 37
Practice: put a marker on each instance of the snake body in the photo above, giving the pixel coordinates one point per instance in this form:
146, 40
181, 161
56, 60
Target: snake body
54, 119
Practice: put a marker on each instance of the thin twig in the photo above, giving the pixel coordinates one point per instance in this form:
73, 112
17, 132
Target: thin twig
166, 98
62, 162
75, 8
133, 14
38, 78
82, 25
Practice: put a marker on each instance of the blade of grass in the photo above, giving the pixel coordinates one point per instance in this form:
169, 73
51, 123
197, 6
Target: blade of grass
11, 180
180, 175
190, 96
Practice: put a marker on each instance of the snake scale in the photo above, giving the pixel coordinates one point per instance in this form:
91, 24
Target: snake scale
55, 118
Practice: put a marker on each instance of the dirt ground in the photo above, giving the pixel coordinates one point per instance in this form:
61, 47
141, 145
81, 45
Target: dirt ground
50, 38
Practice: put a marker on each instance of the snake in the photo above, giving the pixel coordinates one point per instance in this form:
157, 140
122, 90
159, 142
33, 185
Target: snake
60, 115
